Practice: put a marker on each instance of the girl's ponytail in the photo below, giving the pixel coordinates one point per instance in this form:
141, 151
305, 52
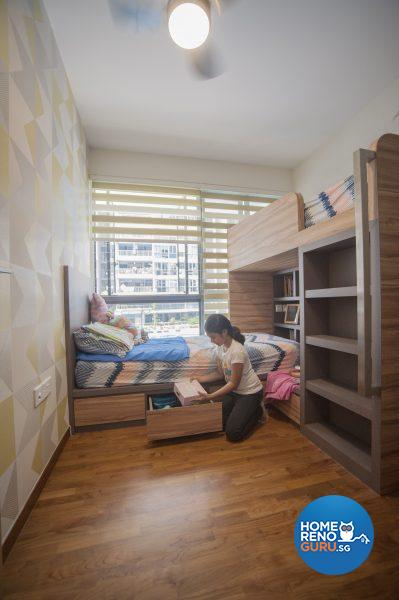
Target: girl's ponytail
219, 323
237, 335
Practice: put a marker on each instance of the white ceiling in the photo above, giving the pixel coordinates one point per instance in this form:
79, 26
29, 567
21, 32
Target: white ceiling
296, 71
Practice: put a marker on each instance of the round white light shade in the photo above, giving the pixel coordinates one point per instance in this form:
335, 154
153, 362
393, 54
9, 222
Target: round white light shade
189, 25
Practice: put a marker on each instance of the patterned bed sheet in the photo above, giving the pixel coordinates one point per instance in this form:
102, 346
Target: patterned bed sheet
266, 352
336, 199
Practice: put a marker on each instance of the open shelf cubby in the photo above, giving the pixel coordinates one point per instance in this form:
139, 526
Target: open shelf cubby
351, 400
331, 365
344, 434
286, 284
332, 266
285, 292
332, 316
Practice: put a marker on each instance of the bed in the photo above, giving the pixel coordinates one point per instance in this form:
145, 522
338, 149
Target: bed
266, 352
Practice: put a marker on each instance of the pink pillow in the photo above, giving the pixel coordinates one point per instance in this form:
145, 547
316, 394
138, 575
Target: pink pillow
98, 309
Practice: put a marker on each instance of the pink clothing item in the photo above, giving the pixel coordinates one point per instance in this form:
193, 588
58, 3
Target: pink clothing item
280, 386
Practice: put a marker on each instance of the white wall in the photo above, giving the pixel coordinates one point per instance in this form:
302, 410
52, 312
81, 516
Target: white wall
333, 161
156, 168
327, 165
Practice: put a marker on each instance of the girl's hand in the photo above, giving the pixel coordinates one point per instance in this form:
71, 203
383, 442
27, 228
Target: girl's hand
203, 397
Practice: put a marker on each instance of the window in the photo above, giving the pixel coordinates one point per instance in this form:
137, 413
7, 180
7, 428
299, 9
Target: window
192, 268
165, 251
165, 269
115, 271
135, 286
193, 286
161, 286
126, 247
148, 241
163, 318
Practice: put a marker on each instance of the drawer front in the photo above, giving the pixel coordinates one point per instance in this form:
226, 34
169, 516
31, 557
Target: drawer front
184, 420
109, 409
291, 408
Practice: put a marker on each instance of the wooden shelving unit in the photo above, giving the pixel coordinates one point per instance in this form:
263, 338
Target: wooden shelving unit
334, 415
338, 292
353, 401
352, 453
284, 281
333, 342
350, 291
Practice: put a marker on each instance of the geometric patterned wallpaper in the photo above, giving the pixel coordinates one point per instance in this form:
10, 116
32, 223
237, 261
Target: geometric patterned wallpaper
44, 224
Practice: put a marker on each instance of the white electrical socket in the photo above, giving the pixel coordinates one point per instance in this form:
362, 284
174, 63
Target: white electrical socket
41, 392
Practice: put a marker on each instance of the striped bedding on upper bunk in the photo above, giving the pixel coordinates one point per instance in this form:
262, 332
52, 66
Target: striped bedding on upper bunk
333, 200
266, 353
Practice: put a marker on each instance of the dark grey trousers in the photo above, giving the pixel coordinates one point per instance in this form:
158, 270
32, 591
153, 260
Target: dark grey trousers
240, 414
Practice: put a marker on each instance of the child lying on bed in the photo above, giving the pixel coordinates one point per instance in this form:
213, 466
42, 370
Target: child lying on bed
243, 392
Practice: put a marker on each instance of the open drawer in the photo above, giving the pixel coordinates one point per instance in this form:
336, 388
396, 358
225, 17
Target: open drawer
183, 420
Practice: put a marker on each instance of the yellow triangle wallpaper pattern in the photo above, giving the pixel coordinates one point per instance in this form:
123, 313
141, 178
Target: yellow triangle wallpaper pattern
44, 224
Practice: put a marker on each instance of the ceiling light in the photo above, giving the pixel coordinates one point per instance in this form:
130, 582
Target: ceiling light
189, 22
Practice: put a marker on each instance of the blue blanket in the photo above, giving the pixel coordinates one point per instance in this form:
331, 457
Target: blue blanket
169, 349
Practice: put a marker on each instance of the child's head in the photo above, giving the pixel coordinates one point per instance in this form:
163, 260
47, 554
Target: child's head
220, 330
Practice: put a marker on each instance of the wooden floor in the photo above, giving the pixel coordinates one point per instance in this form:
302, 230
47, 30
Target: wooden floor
199, 519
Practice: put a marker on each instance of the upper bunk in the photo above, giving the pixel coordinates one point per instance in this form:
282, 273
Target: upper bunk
269, 239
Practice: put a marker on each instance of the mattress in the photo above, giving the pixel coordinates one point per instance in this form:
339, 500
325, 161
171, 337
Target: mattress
336, 199
266, 353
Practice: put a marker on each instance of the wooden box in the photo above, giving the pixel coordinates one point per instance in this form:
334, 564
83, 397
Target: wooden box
183, 420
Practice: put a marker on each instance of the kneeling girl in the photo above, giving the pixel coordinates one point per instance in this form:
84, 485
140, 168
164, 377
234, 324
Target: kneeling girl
242, 395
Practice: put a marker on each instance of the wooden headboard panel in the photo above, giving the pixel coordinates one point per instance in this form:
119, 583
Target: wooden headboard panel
77, 292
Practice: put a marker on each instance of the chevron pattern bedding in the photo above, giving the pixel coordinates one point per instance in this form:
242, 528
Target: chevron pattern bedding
85, 341
266, 352
327, 204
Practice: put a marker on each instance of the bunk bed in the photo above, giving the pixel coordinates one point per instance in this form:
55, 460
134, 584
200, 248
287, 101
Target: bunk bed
349, 294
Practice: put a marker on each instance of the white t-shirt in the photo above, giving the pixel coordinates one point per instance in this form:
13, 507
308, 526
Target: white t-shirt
236, 353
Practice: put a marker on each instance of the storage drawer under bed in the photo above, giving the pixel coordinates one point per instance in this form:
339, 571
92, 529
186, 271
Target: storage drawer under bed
183, 420
291, 408
109, 409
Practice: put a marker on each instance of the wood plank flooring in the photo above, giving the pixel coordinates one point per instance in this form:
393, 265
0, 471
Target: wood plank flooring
197, 519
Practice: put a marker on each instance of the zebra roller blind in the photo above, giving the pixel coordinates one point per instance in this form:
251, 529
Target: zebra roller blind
129, 212
146, 213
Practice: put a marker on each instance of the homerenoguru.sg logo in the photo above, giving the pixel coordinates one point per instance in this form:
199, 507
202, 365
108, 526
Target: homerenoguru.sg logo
334, 535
